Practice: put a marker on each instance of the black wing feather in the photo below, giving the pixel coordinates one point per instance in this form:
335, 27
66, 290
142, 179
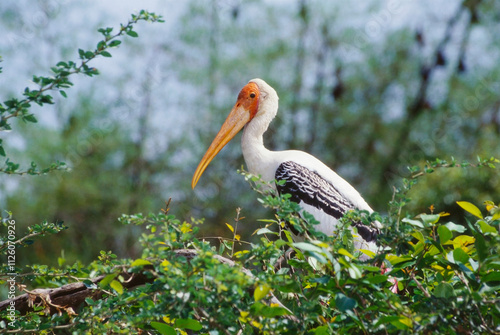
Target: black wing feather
308, 186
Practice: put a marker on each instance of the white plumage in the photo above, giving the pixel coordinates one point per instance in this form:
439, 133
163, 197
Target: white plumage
319, 190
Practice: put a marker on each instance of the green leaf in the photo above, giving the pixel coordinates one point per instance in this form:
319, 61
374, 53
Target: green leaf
321, 330
415, 223
163, 328
132, 33
460, 256
486, 228
265, 231
377, 279
471, 208
63, 93
304, 246
89, 284
105, 54
106, 280
444, 290
400, 322
393, 259
140, 262
114, 43
444, 234
492, 276
455, 227
419, 236
188, 324
117, 286
344, 303
403, 323
30, 118
260, 309
344, 252
2, 151
481, 248
261, 291
430, 219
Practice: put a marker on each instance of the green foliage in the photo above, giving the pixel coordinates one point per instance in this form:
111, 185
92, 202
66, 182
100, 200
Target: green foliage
447, 277
60, 80
88, 146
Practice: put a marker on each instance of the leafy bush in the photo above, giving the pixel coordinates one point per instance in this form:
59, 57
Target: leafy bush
447, 277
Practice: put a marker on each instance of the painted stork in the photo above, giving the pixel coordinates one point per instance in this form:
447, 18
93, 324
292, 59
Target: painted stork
315, 187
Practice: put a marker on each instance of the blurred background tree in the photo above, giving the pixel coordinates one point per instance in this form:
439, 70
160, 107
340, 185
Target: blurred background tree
370, 89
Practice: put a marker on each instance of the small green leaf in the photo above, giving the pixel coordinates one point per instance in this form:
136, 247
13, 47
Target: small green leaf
114, 43
264, 231
460, 256
430, 218
455, 227
140, 262
481, 248
344, 303
188, 324
377, 279
105, 54
486, 228
415, 223
344, 252
132, 33
117, 286
354, 271
304, 246
492, 276
63, 93
444, 234
471, 208
106, 280
444, 290
261, 291
163, 328
89, 284
30, 118
321, 330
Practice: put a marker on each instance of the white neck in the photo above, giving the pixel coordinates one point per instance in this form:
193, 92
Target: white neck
257, 157
259, 160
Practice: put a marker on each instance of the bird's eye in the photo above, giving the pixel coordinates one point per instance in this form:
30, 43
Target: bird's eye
252, 95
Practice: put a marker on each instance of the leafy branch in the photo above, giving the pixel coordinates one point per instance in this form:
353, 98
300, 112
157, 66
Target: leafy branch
13, 168
59, 81
430, 166
400, 198
41, 229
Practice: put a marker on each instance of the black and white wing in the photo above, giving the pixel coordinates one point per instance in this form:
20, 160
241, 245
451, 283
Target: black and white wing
320, 197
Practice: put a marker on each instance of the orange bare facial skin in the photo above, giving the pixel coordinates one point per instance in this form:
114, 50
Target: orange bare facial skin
249, 98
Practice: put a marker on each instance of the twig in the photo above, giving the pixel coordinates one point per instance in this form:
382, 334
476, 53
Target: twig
423, 289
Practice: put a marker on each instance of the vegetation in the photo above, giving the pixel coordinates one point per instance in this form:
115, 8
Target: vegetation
162, 273
447, 278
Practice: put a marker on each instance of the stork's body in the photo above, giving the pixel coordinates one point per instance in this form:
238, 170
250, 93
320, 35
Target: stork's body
318, 189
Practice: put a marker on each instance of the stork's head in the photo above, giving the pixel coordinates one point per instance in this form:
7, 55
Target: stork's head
257, 100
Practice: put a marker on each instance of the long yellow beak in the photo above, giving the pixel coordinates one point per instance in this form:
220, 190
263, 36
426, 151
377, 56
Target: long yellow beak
236, 120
